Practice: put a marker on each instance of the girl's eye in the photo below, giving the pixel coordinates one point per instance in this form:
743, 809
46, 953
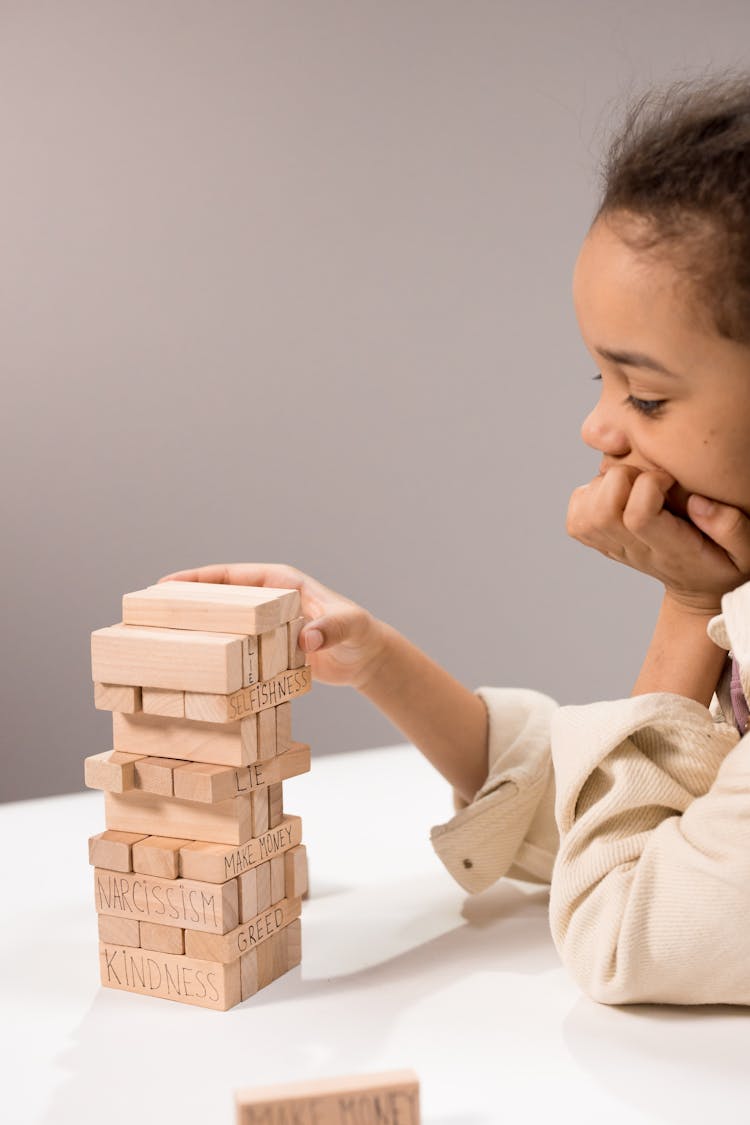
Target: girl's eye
649, 407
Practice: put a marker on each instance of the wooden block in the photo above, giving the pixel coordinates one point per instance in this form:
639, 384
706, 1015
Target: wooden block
228, 947
276, 866
215, 863
267, 734
263, 885
249, 973
283, 727
273, 650
215, 607
183, 659
163, 939
207, 784
295, 871
112, 770
296, 658
259, 810
250, 661
113, 850
271, 958
388, 1097
160, 856
250, 700
210, 907
117, 697
275, 804
226, 744
293, 944
119, 931
164, 701
247, 887
170, 976
224, 822
154, 775
200, 781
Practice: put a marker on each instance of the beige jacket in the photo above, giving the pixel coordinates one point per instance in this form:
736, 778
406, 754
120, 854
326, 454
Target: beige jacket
636, 812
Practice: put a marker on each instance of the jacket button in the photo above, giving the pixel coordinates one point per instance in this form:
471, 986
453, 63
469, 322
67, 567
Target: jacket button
468, 863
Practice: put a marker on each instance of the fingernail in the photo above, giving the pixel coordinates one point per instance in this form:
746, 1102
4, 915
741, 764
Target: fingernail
313, 639
701, 506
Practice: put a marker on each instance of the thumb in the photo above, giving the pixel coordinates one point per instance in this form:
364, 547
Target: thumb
701, 507
323, 632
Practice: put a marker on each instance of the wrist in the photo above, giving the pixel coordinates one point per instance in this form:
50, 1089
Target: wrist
702, 608
382, 645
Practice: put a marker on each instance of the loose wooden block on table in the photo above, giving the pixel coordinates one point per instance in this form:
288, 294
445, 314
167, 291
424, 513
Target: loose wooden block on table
215, 863
170, 976
210, 907
158, 855
180, 659
112, 769
228, 947
113, 850
163, 701
283, 688
389, 1097
228, 744
117, 697
211, 606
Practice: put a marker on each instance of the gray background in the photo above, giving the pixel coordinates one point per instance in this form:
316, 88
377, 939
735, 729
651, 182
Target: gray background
292, 282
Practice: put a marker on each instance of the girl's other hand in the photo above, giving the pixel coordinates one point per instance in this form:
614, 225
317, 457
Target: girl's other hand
345, 641
624, 514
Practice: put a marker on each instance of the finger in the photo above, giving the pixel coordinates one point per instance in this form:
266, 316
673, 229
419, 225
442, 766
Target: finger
645, 515
242, 574
330, 629
213, 573
726, 525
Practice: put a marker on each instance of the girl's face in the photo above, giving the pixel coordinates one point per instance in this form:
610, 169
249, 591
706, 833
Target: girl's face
632, 312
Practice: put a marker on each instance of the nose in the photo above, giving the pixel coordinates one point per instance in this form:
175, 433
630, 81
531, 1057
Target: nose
600, 431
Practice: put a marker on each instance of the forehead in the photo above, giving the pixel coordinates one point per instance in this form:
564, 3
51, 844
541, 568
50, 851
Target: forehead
624, 298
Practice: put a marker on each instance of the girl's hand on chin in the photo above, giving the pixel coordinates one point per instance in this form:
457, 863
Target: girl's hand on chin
623, 515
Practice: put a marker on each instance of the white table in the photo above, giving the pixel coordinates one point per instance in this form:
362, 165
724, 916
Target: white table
400, 969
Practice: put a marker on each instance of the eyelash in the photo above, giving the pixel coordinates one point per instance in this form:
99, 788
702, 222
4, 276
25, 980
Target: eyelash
647, 407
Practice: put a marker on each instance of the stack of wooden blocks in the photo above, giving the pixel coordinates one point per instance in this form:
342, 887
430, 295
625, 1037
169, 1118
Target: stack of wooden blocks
199, 876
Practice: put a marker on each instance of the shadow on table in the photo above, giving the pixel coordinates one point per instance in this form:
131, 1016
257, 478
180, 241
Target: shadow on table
136, 1058
685, 1064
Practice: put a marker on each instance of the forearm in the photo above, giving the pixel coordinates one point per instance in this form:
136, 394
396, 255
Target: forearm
441, 717
681, 658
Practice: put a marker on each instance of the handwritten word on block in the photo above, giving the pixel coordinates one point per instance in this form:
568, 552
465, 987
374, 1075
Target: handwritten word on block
389, 1098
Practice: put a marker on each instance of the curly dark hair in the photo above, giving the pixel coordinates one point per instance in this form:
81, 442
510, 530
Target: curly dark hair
675, 183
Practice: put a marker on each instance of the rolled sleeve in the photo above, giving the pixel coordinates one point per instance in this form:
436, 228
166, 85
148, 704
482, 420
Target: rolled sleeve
508, 828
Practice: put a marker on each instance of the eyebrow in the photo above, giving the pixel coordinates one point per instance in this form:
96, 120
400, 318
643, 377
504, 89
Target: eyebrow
636, 359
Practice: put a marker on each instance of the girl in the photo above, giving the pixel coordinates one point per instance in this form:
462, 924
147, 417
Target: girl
636, 811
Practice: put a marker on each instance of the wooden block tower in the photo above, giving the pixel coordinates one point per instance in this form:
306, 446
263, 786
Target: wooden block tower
199, 876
